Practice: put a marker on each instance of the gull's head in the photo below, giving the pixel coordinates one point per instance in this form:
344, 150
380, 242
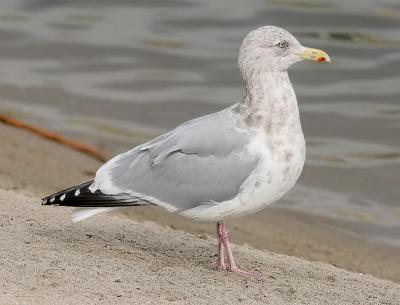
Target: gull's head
270, 48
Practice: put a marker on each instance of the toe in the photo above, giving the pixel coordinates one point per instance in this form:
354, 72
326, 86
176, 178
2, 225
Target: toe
240, 272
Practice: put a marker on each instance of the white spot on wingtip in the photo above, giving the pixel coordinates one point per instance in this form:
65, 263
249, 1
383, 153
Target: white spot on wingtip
77, 192
44, 201
52, 199
62, 197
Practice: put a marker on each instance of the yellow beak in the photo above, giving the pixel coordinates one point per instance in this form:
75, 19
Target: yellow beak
314, 54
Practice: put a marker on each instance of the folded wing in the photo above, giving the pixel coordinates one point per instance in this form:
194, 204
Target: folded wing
201, 161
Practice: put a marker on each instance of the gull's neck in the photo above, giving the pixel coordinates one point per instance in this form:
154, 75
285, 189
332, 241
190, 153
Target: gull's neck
270, 103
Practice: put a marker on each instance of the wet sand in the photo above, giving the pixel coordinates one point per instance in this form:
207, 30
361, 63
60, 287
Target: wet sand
48, 260
35, 167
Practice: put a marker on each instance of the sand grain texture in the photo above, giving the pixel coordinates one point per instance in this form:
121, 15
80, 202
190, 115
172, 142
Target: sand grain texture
47, 260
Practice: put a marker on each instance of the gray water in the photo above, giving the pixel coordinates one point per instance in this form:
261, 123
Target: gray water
121, 72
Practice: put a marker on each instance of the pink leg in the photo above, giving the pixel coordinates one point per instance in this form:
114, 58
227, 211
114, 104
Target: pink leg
221, 266
223, 235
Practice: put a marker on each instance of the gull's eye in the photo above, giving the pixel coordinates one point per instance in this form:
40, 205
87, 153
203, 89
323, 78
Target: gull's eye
283, 44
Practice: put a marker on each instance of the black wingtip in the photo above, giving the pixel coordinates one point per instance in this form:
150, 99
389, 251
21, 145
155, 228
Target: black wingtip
59, 197
82, 196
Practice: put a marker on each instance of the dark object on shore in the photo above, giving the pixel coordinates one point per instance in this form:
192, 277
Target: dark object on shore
84, 148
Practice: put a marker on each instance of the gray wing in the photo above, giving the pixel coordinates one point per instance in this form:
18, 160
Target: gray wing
201, 161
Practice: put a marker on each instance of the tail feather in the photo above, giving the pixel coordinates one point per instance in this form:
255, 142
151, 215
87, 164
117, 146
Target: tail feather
83, 213
82, 196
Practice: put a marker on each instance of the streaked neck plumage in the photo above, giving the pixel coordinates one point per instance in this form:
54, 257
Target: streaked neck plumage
270, 103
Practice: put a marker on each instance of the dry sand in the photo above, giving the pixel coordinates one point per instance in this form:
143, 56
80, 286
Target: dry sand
45, 259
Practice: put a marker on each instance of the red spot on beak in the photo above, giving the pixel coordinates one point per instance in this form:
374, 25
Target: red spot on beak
321, 59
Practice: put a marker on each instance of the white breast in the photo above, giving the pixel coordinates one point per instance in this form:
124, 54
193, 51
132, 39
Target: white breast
276, 173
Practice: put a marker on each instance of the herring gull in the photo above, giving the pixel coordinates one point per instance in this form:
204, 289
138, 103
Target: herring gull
223, 165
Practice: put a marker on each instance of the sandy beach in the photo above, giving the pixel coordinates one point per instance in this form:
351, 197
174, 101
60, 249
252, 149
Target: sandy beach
151, 256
